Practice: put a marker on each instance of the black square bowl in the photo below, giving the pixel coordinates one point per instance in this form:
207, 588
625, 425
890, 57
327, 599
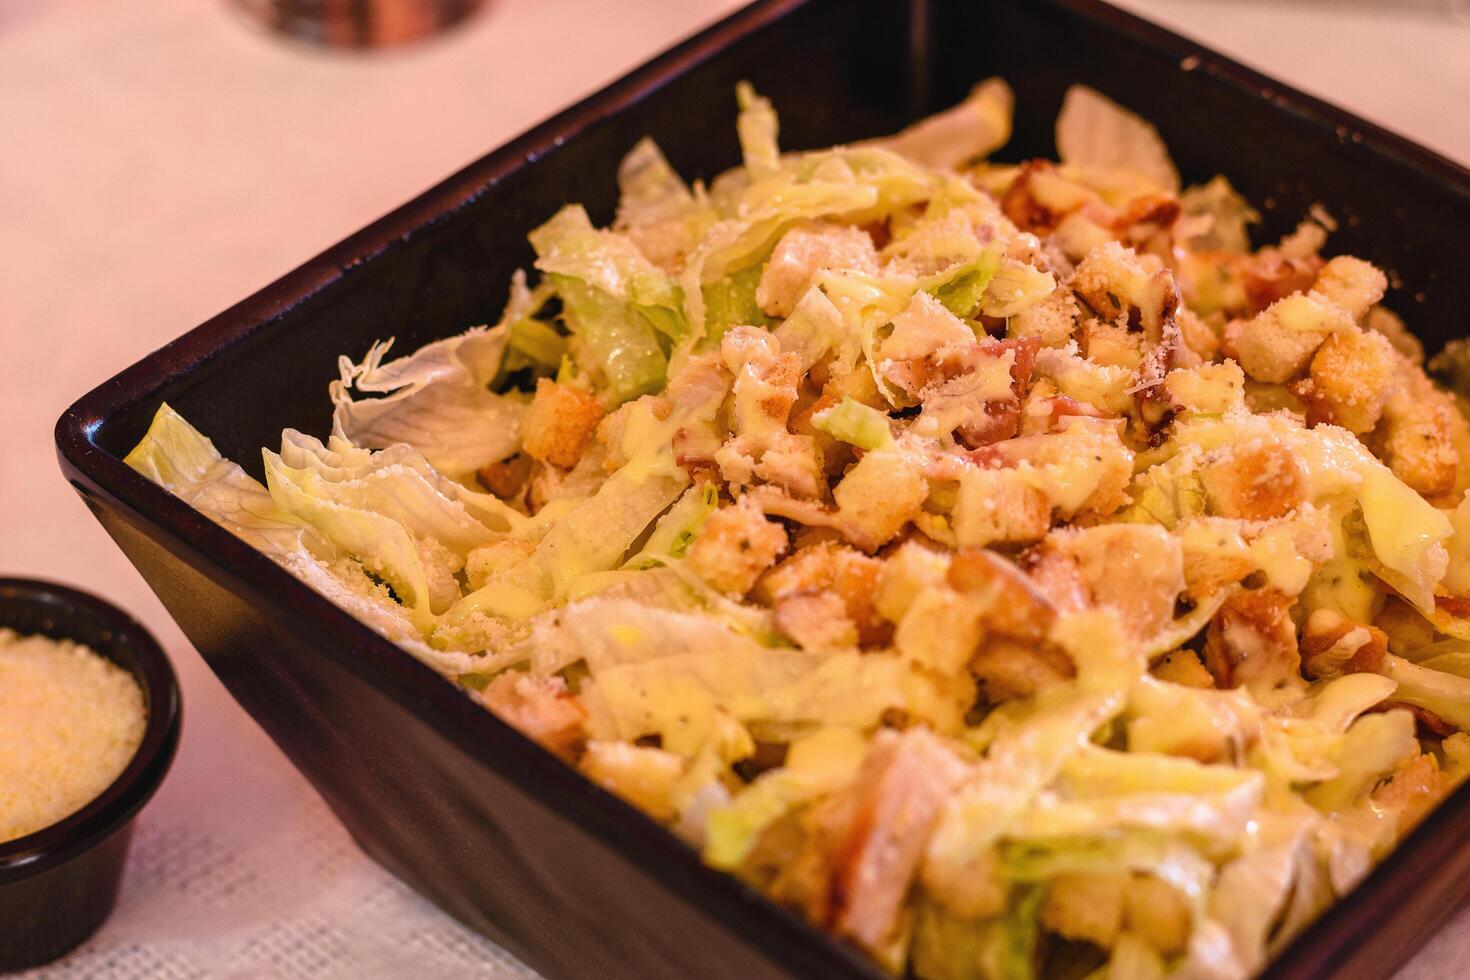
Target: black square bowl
462, 807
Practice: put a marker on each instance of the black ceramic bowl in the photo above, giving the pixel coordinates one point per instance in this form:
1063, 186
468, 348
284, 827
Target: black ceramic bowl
59, 884
477, 818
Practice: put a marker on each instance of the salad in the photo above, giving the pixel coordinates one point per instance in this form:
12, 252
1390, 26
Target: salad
1008, 568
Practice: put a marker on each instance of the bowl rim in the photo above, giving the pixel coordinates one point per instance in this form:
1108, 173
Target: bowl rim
83, 829
228, 560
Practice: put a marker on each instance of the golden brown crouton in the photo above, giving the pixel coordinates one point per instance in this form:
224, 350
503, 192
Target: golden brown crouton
1255, 482
541, 707
1183, 667
1053, 319
829, 566
1212, 388
939, 631
1350, 378
912, 568
558, 423
1085, 906
1333, 645
1110, 345
1251, 641
815, 620
1138, 569
879, 495
642, 775
736, 544
1013, 603
1351, 283
999, 506
1277, 343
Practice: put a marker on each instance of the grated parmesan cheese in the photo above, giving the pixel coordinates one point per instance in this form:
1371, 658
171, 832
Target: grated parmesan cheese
70, 721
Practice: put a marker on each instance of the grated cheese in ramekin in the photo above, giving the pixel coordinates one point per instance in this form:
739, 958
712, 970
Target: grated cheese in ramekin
70, 721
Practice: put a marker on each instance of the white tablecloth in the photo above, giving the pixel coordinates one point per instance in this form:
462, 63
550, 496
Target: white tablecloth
159, 161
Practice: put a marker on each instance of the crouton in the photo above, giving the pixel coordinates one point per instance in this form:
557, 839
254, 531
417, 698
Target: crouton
1013, 604
1183, 667
879, 495
1110, 344
1197, 335
1052, 320
939, 631
907, 572
541, 707
1116, 283
1392, 326
642, 775
815, 621
829, 566
1352, 284
1209, 388
558, 423
1138, 569
805, 251
1251, 642
1350, 378
1277, 344
999, 506
1085, 906
736, 544
614, 426
1254, 481
1333, 645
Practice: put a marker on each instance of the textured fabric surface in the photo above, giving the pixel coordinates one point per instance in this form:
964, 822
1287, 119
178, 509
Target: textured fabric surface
162, 161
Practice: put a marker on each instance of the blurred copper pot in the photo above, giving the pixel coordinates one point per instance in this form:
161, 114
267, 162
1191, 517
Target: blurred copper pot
356, 24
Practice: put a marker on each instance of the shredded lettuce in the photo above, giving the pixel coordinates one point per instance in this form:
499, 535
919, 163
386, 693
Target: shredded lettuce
855, 423
1094, 131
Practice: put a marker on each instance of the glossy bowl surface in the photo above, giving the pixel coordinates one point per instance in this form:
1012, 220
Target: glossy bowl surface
470, 813
59, 884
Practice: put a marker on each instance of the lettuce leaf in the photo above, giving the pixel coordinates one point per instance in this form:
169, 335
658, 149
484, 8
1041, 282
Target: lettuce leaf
1093, 131
974, 128
435, 400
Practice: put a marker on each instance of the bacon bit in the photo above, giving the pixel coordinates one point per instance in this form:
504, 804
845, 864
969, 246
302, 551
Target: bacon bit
1456, 606
1022, 208
1271, 276
507, 478
1429, 722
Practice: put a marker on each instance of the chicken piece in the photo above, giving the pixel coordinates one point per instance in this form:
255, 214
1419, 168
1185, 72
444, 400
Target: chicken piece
506, 478
642, 775
999, 506
879, 495
1013, 668
1254, 481
559, 422
805, 251
1352, 284
1333, 645
1085, 906
923, 329
1350, 378
1269, 276
1115, 283
1137, 569
815, 621
1251, 642
1183, 667
1277, 344
1412, 791
488, 560
541, 708
736, 545
614, 426
889, 809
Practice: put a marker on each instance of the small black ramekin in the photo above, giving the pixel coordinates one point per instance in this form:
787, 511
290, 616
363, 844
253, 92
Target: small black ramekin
59, 884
